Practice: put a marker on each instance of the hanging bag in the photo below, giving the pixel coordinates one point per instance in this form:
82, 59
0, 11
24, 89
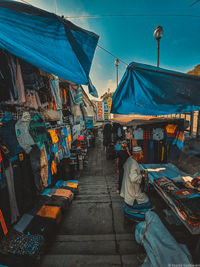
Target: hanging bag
51, 115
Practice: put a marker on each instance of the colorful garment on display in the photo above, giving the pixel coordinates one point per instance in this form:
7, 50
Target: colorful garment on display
8, 136
38, 131
53, 168
185, 200
179, 141
78, 97
44, 167
148, 134
158, 134
22, 132
138, 134
54, 136
170, 130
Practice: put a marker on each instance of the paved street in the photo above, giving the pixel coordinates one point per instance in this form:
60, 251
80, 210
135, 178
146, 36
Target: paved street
92, 231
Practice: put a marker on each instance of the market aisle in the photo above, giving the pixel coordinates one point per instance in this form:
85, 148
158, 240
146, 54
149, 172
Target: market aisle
92, 231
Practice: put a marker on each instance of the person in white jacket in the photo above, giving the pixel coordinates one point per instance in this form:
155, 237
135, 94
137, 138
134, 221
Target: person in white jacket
136, 203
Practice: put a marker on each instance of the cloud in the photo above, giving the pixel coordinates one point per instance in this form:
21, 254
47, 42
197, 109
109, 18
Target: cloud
81, 22
178, 42
111, 85
49, 8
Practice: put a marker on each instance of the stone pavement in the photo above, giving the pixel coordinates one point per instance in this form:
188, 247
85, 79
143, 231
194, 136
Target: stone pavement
92, 232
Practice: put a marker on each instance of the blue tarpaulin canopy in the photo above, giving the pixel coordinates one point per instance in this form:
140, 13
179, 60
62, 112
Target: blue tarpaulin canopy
149, 90
47, 41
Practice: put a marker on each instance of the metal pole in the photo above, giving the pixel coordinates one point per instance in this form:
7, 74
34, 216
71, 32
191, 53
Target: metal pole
198, 125
191, 122
55, 6
158, 51
117, 74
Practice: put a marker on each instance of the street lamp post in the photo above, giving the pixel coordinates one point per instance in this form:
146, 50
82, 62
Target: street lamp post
158, 33
117, 65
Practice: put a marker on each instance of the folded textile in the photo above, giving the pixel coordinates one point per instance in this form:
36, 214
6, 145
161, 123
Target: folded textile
22, 245
50, 212
61, 202
42, 226
74, 185
48, 191
23, 223
64, 193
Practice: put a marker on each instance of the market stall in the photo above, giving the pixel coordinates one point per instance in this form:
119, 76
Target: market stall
147, 90
41, 121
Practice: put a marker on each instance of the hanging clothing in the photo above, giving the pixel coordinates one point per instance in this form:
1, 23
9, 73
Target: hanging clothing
55, 91
38, 131
7, 87
158, 134
54, 136
138, 134
31, 76
35, 158
22, 132
11, 191
17, 77
44, 167
8, 136
170, 130
148, 134
32, 99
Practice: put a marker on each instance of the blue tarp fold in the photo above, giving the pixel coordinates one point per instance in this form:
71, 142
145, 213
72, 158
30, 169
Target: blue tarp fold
148, 90
47, 41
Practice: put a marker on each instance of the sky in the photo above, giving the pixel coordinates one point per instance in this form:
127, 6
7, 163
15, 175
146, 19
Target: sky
131, 38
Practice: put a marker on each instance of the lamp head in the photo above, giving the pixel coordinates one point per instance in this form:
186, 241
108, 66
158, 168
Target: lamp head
117, 62
158, 33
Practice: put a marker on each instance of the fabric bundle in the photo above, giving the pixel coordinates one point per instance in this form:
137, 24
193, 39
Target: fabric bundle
64, 193
50, 212
22, 245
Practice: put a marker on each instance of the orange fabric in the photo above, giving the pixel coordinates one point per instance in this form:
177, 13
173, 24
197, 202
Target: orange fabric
69, 140
128, 136
171, 128
61, 95
73, 185
53, 168
54, 136
50, 212
3, 224
134, 143
162, 154
64, 193
65, 96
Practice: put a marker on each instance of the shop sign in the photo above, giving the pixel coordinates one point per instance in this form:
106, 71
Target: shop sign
100, 109
109, 101
106, 110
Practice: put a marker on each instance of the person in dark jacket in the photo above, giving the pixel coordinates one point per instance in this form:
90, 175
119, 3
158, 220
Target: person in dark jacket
121, 158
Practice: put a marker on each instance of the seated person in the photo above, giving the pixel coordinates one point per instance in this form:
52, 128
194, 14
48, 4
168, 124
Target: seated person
136, 203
